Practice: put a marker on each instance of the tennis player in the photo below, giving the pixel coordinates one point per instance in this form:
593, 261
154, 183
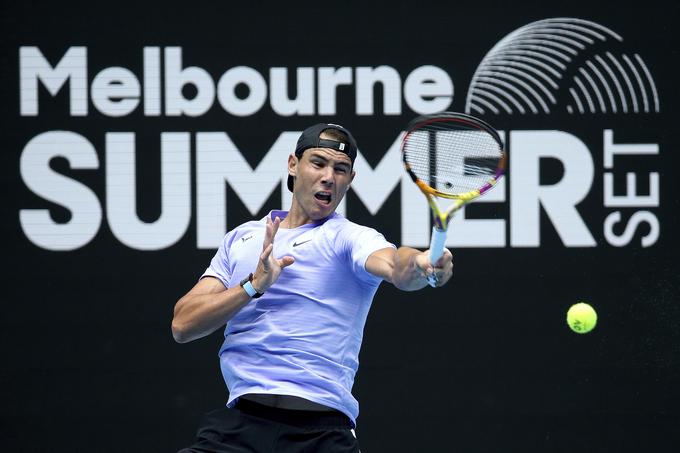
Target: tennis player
294, 290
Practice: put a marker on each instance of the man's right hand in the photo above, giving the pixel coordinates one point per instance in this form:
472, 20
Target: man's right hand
269, 268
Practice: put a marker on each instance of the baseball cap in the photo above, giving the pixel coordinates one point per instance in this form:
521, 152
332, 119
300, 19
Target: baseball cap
310, 139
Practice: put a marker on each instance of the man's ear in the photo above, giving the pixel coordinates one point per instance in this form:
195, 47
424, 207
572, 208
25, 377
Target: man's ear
292, 165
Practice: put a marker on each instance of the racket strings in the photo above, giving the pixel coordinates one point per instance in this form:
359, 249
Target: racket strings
451, 159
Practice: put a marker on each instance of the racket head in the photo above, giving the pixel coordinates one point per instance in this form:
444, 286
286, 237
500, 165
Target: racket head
453, 155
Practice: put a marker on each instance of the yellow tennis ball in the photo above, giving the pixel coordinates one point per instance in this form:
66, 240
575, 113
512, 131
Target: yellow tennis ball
581, 317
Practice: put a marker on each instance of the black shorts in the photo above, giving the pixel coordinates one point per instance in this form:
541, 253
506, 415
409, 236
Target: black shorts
255, 428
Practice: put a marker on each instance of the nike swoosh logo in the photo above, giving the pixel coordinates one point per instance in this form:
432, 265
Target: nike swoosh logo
295, 244
244, 239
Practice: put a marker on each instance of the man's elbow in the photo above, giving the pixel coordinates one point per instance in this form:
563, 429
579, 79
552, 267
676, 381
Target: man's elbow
179, 332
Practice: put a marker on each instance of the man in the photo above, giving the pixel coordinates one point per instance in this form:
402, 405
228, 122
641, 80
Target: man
294, 290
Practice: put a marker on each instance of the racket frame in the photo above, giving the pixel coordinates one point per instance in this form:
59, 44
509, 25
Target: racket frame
441, 217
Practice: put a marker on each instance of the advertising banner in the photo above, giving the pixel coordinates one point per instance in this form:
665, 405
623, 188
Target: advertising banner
135, 137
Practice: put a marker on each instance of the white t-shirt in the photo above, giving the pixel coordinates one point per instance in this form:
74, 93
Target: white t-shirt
303, 336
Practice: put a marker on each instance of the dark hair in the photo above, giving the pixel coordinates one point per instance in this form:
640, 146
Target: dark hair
335, 134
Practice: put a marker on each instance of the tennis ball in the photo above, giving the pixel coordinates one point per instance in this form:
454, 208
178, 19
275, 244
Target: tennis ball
581, 318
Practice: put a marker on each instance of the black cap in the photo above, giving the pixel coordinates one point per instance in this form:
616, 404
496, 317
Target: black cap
310, 139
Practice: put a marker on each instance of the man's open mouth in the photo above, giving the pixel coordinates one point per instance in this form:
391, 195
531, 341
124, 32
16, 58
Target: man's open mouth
324, 197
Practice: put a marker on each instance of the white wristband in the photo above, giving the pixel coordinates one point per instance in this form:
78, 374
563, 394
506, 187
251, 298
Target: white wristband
249, 289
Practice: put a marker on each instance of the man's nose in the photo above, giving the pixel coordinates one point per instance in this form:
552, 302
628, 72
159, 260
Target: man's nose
328, 178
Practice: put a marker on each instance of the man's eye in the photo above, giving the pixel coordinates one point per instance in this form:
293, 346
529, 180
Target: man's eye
341, 170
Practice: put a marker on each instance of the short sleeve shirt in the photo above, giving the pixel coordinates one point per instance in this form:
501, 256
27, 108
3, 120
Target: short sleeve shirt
303, 336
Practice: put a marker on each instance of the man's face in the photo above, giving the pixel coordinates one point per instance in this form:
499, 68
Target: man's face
322, 178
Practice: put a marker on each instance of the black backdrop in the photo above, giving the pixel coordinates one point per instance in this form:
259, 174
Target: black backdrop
486, 365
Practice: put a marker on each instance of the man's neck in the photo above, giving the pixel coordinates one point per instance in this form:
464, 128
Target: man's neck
296, 217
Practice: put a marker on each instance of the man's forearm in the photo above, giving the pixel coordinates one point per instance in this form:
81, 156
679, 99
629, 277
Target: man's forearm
407, 275
199, 315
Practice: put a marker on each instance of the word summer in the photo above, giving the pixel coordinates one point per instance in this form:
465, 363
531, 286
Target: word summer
219, 163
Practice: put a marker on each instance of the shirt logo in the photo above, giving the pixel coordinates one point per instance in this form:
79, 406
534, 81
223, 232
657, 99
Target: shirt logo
295, 244
245, 238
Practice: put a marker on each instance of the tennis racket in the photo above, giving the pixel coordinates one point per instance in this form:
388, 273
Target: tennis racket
451, 156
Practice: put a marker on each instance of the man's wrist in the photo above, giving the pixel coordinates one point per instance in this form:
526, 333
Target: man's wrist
247, 285
256, 285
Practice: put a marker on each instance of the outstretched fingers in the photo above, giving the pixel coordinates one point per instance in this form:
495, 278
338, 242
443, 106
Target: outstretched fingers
264, 256
270, 231
275, 226
286, 261
268, 246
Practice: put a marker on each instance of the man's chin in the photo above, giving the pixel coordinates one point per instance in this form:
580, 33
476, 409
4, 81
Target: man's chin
323, 211
321, 215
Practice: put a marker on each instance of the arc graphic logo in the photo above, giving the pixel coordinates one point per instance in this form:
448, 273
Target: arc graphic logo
566, 64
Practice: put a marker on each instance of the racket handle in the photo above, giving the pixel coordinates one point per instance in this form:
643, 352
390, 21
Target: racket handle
436, 250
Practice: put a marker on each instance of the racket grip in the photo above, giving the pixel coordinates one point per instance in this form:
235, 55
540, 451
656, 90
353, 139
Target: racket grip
437, 244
